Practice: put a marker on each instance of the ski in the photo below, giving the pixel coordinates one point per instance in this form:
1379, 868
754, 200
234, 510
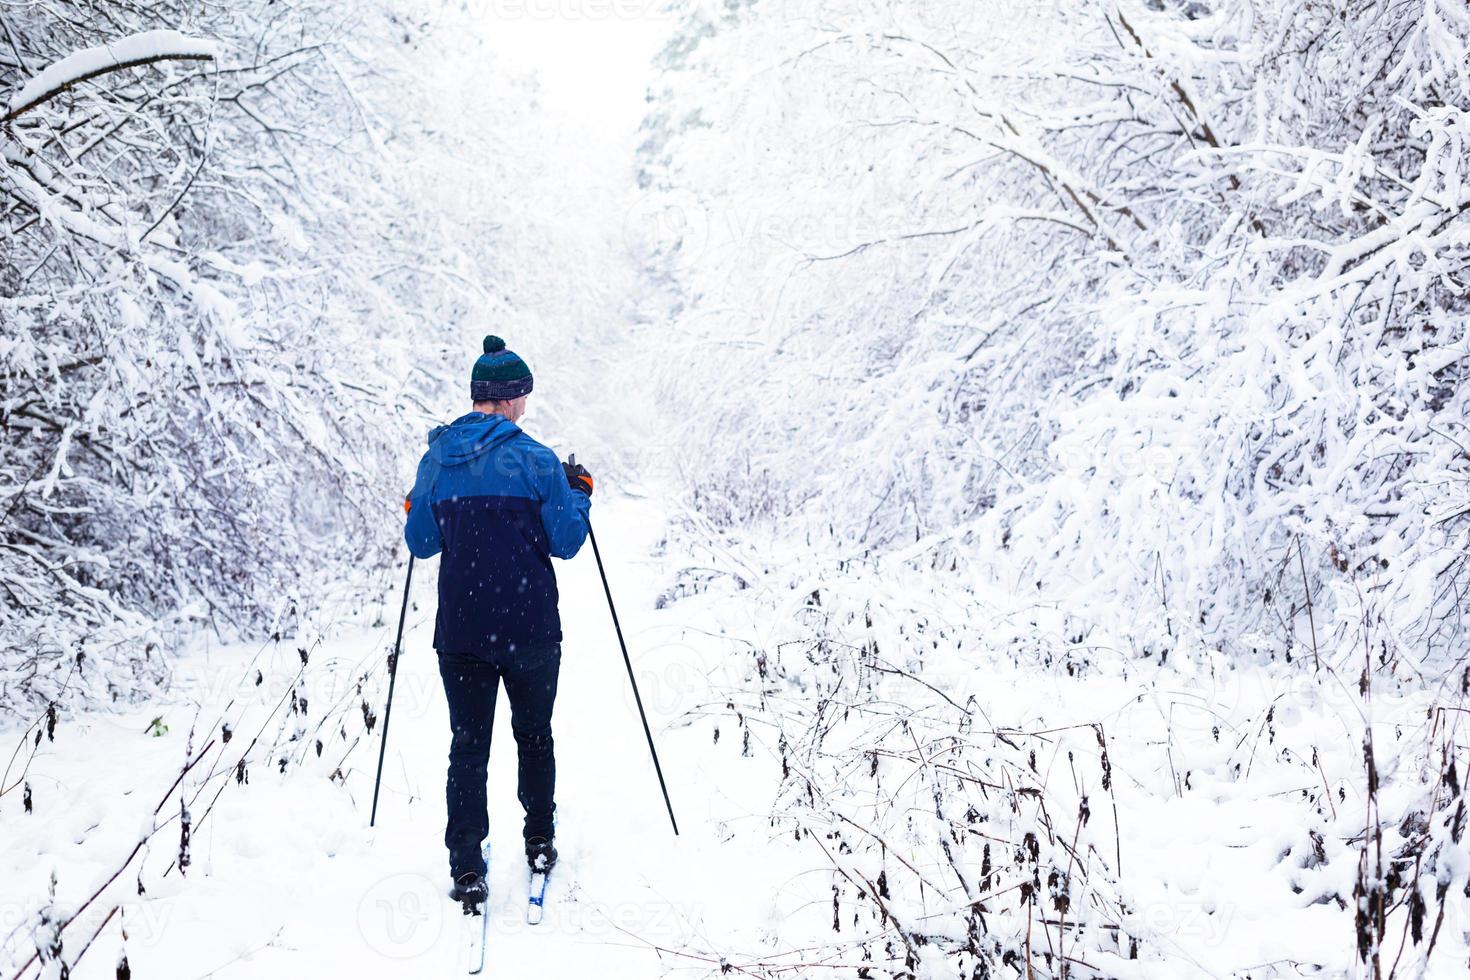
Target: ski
476, 929
536, 905
477, 925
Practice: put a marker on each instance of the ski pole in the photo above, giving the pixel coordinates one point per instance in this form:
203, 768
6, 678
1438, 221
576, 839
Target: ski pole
392, 680
647, 732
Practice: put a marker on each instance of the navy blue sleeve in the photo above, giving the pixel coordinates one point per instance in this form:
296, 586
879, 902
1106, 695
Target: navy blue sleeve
422, 530
563, 510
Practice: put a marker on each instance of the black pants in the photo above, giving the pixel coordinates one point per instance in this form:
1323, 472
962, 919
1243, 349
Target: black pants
470, 685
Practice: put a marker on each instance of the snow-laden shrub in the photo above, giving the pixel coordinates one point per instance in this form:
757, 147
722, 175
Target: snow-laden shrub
1154, 309
1138, 327
231, 292
1215, 818
955, 850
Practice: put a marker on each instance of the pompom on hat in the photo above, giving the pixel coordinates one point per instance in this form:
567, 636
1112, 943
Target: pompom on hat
499, 375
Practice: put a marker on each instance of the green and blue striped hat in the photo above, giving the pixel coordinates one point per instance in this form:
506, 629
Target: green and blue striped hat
499, 375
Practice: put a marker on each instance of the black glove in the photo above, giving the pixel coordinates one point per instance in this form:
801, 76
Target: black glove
578, 477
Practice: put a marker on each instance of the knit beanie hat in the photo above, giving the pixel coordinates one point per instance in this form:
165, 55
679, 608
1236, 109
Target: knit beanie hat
499, 375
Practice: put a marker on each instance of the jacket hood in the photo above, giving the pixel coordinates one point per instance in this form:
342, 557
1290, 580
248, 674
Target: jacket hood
469, 437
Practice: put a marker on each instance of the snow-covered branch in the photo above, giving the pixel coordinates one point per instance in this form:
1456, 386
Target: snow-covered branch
133, 51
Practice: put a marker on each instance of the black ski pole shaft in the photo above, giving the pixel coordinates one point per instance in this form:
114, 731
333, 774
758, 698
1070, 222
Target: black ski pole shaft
392, 681
647, 732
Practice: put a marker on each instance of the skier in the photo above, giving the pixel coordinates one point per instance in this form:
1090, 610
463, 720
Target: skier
500, 506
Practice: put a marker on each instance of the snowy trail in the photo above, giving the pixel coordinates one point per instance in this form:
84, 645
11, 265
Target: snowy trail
611, 829
287, 879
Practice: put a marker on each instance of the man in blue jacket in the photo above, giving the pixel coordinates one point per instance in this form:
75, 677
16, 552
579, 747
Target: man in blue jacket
500, 506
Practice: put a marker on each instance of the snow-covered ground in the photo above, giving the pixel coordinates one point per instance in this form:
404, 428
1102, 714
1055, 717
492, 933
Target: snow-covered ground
1232, 825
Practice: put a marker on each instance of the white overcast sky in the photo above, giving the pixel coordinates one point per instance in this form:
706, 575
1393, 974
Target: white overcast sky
593, 56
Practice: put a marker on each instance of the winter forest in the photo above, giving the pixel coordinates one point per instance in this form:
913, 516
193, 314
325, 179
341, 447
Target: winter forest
1032, 484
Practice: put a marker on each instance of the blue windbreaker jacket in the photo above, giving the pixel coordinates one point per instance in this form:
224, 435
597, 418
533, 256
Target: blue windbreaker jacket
497, 503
